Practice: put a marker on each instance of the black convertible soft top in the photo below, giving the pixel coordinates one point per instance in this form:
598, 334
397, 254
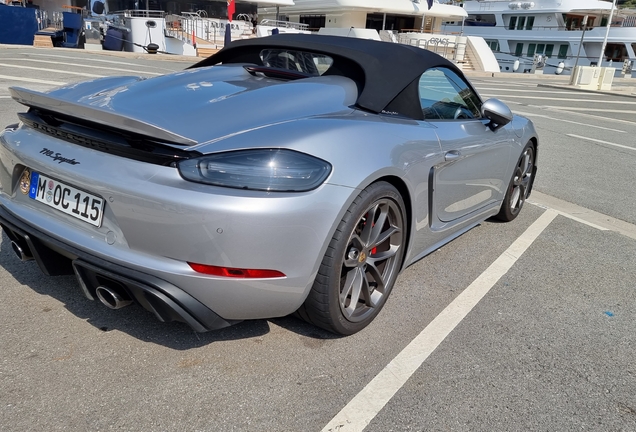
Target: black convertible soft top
383, 71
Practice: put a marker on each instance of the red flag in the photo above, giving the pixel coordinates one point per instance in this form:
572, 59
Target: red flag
194, 39
230, 9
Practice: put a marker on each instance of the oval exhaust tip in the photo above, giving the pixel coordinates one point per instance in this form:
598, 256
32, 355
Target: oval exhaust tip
20, 253
111, 298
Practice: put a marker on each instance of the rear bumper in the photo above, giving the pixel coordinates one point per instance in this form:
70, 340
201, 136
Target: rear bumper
155, 223
165, 300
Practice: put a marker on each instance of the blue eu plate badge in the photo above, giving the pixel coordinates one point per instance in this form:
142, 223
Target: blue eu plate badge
34, 184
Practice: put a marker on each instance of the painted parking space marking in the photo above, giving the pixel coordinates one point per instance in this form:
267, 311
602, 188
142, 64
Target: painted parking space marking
92, 60
605, 102
75, 58
583, 215
503, 83
532, 90
31, 80
54, 71
527, 114
361, 410
562, 110
587, 109
598, 141
83, 66
582, 114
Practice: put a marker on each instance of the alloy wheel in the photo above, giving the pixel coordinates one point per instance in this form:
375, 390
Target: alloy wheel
371, 259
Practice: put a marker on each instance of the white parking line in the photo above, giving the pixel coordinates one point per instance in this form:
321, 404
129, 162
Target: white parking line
359, 412
567, 110
605, 101
55, 71
93, 60
583, 215
631, 111
567, 121
84, 66
601, 142
31, 80
531, 90
506, 83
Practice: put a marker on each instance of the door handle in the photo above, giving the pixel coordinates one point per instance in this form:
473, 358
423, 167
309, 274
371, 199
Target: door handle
452, 155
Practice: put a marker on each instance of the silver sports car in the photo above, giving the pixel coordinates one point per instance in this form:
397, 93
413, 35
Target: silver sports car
292, 173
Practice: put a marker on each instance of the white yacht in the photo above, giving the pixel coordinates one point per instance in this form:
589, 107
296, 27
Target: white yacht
404, 21
129, 25
564, 32
176, 30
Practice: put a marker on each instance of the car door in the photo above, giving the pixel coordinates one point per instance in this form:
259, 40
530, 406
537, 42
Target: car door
476, 158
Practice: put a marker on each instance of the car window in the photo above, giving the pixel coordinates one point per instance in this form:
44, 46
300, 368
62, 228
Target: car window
445, 96
300, 61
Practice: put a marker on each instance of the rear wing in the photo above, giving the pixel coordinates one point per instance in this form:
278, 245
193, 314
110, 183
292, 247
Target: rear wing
96, 115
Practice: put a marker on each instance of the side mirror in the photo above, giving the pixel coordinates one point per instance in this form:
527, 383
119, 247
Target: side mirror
497, 112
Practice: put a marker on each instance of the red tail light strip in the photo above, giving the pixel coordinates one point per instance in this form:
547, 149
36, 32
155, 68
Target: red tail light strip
230, 272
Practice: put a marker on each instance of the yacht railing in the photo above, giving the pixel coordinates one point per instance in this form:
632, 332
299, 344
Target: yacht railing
448, 48
205, 30
285, 24
49, 20
452, 48
134, 13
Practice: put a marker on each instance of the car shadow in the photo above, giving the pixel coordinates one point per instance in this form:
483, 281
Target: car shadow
303, 328
135, 320
493, 219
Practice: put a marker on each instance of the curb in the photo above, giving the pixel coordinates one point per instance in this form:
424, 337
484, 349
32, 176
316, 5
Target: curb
631, 94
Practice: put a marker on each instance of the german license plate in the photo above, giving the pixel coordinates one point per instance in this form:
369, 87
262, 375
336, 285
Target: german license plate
67, 199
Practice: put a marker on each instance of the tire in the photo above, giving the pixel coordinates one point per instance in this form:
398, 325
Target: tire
519, 187
361, 263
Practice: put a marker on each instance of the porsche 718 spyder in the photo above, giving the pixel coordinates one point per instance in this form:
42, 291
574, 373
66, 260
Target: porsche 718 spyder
284, 174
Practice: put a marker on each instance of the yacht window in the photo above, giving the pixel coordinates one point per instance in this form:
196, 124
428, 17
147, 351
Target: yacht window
513, 23
531, 49
314, 22
574, 22
519, 50
540, 48
549, 49
616, 52
494, 45
530, 23
521, 22
481, 20
563, 51
445, 96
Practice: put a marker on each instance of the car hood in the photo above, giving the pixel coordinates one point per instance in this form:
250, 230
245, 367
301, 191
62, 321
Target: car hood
207, 104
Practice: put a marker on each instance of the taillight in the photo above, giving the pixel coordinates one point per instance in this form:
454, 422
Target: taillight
231, 272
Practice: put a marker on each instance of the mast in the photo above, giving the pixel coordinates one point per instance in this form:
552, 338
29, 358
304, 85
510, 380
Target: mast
609, 23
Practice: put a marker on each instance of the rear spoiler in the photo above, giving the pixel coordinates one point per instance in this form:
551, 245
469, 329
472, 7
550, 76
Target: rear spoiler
43, 101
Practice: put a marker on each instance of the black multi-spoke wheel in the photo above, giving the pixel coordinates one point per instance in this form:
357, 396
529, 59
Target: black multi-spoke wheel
519, 186
361, 263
